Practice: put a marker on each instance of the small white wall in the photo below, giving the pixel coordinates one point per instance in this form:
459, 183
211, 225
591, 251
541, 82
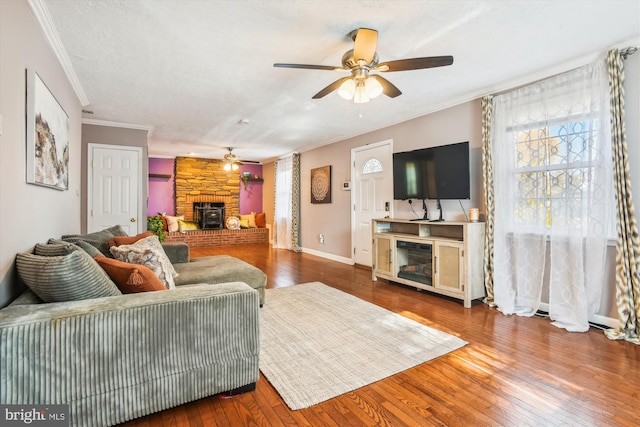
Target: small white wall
29, 213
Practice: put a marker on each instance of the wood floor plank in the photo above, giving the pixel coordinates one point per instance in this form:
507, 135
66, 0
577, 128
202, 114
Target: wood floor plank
514, 371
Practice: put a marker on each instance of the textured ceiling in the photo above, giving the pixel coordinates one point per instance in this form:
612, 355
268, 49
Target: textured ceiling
191, 71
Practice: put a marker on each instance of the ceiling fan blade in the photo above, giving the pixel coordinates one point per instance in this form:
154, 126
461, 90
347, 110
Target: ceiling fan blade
365, 45
308, 67
388, 88
415, 63
327, 90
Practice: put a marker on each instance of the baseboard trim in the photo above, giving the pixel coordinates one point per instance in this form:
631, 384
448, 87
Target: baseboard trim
326, 255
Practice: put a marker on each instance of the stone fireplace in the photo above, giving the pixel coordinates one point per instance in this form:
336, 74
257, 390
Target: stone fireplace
205, 181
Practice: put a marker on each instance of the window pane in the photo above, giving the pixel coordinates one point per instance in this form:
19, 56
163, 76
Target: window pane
372, 166
554, 166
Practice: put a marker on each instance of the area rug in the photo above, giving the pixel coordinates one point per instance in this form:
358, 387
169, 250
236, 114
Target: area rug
317, 342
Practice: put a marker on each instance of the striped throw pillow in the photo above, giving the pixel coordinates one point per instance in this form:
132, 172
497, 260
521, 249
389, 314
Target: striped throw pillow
71, 277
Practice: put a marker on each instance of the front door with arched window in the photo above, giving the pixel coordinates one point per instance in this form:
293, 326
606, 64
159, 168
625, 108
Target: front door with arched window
371, 194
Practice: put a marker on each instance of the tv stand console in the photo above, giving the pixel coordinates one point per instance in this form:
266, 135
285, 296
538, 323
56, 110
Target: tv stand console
441, 257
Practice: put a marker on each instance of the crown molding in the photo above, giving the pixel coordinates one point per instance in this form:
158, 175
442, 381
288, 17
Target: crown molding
40, 11
115, 124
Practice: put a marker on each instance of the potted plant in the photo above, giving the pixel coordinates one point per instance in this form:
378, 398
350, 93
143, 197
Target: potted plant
155, 224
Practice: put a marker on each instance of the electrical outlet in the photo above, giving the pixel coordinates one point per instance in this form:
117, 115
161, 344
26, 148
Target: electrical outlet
321, 236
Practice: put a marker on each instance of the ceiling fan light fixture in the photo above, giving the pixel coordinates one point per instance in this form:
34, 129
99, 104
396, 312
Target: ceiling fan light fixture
347, 89
373, 87
229, 166
361, 96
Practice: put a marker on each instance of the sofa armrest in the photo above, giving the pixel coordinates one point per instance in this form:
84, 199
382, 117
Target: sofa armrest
177, 252
154, 350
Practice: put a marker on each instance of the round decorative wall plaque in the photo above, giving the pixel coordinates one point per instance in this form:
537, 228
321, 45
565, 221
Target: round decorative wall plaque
321, 185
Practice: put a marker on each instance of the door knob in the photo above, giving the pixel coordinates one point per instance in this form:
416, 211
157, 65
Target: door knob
132, 219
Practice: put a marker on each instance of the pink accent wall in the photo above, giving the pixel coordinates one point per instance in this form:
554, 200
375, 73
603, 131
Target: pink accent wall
161, 190
251, 198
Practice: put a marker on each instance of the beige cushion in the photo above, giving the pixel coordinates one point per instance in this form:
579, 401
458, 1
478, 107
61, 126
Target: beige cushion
148, 252
172, 222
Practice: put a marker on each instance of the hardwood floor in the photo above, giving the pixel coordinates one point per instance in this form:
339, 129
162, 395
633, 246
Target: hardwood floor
513, 372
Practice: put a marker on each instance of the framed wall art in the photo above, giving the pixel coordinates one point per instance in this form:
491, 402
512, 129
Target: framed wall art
321, 185
47, 136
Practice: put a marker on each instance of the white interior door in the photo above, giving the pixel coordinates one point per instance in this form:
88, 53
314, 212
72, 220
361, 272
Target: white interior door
114, 188
371, 194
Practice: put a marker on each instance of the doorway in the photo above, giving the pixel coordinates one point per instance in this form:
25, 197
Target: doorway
371, 194
114, 188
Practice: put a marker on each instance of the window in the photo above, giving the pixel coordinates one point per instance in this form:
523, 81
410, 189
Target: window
554, 164
372, 166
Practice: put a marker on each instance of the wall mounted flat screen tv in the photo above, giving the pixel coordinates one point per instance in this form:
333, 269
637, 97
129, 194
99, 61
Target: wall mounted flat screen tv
432, 173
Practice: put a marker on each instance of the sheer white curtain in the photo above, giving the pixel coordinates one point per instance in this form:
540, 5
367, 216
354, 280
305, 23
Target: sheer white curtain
553, 193
283, 211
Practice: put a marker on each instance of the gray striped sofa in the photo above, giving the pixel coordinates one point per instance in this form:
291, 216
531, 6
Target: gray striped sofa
116, 358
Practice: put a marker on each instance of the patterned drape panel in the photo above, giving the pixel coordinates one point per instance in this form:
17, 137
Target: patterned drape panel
275, 203
487, 180
628, 246
295, 204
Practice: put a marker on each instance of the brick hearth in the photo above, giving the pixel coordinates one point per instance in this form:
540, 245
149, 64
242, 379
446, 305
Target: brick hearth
202, 238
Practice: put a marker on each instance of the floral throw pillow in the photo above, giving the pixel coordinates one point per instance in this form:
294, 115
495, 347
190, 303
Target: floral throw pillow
148, 252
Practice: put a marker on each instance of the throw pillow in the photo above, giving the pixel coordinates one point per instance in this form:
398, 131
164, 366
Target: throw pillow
88, 248
71, 277
55, 248
165, 223
128, 240
244, 223
261, 220
130, 278
148, 252
250, 218
99, 239
172, 222
184, 226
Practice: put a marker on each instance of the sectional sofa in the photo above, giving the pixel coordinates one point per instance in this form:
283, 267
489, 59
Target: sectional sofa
116, 357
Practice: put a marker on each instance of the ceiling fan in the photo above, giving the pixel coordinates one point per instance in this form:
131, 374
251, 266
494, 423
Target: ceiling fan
232, 162
361, 61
